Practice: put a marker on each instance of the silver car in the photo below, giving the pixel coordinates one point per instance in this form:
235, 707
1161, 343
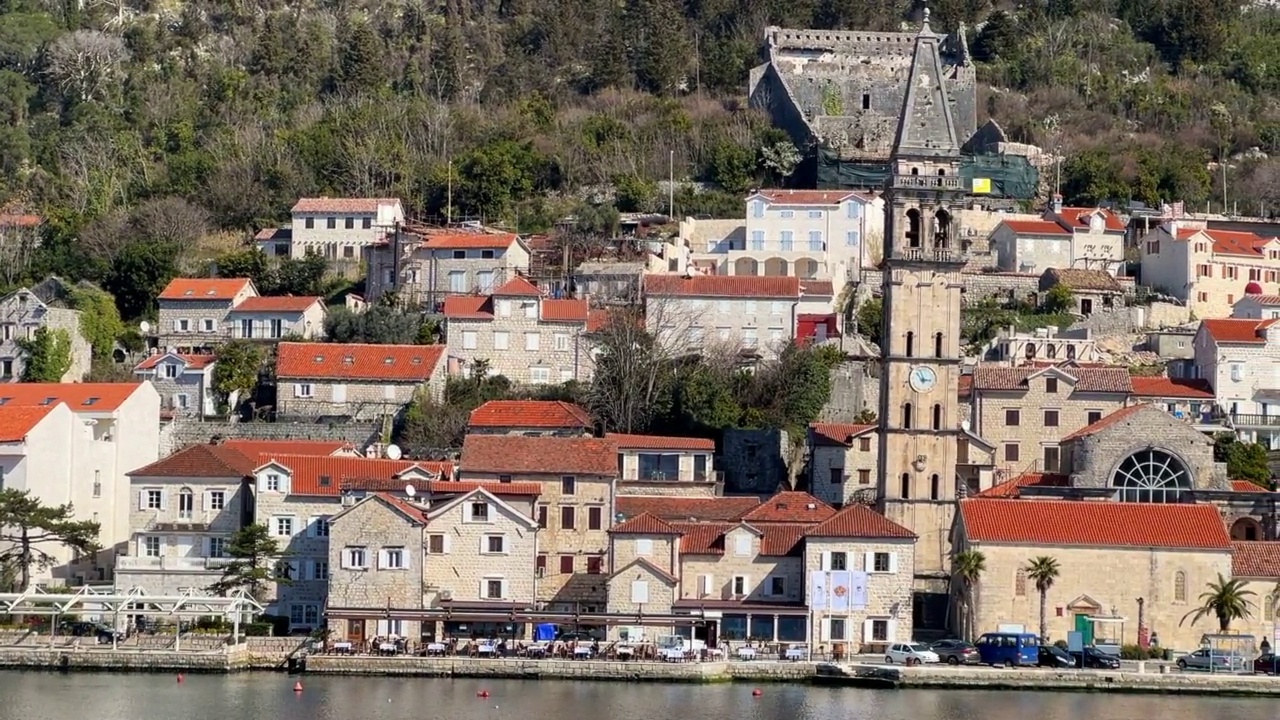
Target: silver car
1204, 659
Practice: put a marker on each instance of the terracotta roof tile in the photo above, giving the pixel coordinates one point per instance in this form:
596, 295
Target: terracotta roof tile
1088, 379
1229, 242
518, 286
355, 361
661, 442
415, 512
563, 310
278, 303
325, 475
684, 509
1237, 330
702, 538
80, 397
1255, 559
252, 448
1163, 387
192, 362
468, 307
1013, 488
518, 454
16, 422
644, 524
1265, 300
204, 288
555, 414
1085, 279
444, 487
1035, 227
1122, 415
342, 205
597, 320
1097, 524
728, 286
469, 241
807, 197
1247, 486
858, 521
783, 539
837, 434
1079, 217
825, 288
201, 461
790, 507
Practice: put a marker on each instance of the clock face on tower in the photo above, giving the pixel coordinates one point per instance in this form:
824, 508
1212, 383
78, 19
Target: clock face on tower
923, 379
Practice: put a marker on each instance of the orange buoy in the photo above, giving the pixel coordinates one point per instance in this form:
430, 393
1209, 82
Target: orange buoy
757, 692
297, 687
180, 678
482, 694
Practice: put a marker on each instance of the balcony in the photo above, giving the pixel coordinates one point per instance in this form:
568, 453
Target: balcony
162, 564
947, 182
1253, 420
927, 255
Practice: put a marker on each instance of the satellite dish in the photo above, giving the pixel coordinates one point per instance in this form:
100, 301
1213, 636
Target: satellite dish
410, 490
144, 327
393, 452
964, 425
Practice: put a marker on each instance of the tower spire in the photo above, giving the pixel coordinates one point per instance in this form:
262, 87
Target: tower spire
924, 24
926, 127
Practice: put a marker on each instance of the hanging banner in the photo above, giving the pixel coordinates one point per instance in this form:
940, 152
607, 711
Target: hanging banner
818, 586
982, 186
858, 590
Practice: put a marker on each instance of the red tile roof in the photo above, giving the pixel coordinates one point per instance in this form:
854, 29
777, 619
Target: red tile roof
1123, 415
1255, 559
452, 487
554, 414
807, 197
16, 422
1079, 217
80, 397
414, 512
1088, 379
519, 454
1247, 486
201, 461
859, 521
338, 361
204, 288
817, 287
1267, 300
644, 524
783, 539
702, 538
964, 386
194, 362
1035, 227
1013, 488
1094, 523
684, 509
563, 310
1163, 387
790, 507
468, 307
470, 241
282, 303
325, 475
837, 434
660, 442
253, 448
518, 286
1229, 242
727, 286
597, 320
342, 205
1237, 330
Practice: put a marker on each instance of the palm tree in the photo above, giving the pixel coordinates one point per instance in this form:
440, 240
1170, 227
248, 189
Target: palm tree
1225, 599
967, 568
1043, 570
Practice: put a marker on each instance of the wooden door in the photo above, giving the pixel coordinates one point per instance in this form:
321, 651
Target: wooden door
355, 631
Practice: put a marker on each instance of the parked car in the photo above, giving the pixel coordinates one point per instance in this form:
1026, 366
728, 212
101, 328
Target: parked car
955, 652
1267, 664
1092, 657
1052, 656
1205, 659
101, 631
1009, 649
910, 654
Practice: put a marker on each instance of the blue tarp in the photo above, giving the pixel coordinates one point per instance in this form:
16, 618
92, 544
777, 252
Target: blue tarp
545, 632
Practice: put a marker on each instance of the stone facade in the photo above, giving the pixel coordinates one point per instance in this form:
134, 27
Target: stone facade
184, 383
255, 323
468, 569
360, 381
521, 340
191, 325
434, 266
338, 229
357, 400
843, 470
655, 465
757, 462
22, 313
1208, 269
183, 432
361, 572
1095, 455
887, 617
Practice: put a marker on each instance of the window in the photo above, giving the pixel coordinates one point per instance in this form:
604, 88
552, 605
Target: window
851, 238
935, 487
479, 512
284, 526
356, 558
836, 628
595, 516
303, 390
309, 223
937, 345
457, 281
495, 544
911, 342
493, 588
184, 325
1051, 459
864, 444
815, 240
501, 341
787, 241
864, 477
777, 586
218, 549
880, 631
644, 547
1020, 583
207, 325
331, 223
757, 239
658, 466
839, 561
504, 308
1012, 417
566, 564
186, 503
155, 500
170, 370
320, 570
273, 483
539, 375
532, 341
366, 223
837, 475
151, 546
530, 310
937, 417
568, 486
742, 545
639, 592
739, 584
595, 565
468, 340
882, 562
562, 342
320, 526
757, 209
540, 565
393, 559
183, 401
1011, 452
906, 485
786, 214
97, 483
566, 517
1051, 418
1093, 417
542, 516
436, 545
906, 415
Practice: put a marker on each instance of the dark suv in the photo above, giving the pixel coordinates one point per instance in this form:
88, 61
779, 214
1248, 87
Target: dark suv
1052, 656
955, 652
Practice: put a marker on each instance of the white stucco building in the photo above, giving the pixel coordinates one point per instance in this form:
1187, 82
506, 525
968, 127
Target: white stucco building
1209, 270
1063, 237
1241, 360
339, 229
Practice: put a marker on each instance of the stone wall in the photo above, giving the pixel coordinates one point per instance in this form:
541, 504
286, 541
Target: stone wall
561, 669
853, 390
979, 286
756, 462
183, 432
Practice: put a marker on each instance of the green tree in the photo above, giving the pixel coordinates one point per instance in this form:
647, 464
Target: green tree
658, 44
1059, 299
1245, 460
256, 559
1226, 600
997, 39
235, 373
870, 318
967, 568
138, 274
732, 167
29, 530
48, 355
1043, 571
100, 322
381, 324
360, 66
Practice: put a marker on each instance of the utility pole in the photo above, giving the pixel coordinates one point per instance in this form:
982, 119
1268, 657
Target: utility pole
671, 186
448, 218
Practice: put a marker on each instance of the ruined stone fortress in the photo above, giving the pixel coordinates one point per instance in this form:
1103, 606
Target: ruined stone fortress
844, 90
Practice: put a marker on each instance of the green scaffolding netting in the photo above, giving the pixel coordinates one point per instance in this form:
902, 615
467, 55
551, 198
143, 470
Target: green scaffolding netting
1009, 176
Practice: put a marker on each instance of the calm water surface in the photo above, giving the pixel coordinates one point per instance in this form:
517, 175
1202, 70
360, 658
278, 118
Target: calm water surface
94, 696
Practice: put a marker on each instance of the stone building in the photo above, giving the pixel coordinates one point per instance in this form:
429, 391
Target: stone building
276, 318
519, 333
660, 465
198, 314
1206, 268
338, 229
842, 462
1043, 345
1065, 238
1091, 290
530, 417
579, 479
1238, 358
184, 382
22, 313
434, 265
356, 380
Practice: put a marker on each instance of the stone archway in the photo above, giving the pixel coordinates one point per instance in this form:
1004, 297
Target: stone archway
1246, 528
775, 267
746, 266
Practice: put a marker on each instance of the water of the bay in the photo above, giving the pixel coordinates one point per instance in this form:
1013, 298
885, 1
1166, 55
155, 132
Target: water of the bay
99, 696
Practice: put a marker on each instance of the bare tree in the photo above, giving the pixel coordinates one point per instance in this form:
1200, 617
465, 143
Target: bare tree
19, 238
96, 173
85, 62
172, 220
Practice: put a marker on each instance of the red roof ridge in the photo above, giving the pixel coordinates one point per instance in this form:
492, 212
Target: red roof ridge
839, 433
183, 288
530, 414
660, 442
1161, 386
523, 454
17, 422
518, 286
790, 507
1107, 421
644, 524
1237, 330
859, 521
358, 361
1094, 524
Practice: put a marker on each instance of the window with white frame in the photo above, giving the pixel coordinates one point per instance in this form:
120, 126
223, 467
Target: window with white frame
881, 562
151, 546
277, 327
304, 614
303, 390
532, 341
539, 375
836, 628
217, 547
562, 341
740, 584
495, 544
531, 310
393, 558
184, 325
644, 547
494, 588
320, 526
208, 325
478, 512
217, 499
246, 327
851, 238
501, 341
184, 401
283, 526
468, 340
742, 545
273, 482
155, 499
320, 570
437, 544
170, 370
355, 558
566, 375
504, 308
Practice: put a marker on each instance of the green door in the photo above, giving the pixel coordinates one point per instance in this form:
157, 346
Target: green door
1085, 628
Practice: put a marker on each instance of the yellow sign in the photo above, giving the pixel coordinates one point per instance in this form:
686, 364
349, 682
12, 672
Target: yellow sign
982, 185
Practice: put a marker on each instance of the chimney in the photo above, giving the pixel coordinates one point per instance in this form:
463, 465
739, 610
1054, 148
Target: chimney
1057, 204
1173, 228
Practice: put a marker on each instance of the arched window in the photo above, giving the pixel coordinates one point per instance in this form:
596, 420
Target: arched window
1031, 351
935, 487
1051, 351
1269, 608
906, 485
942, 171
1151, 476
906, 416
186, 503
913, 228
1071, 352
1020, 583
937, 345
942, 229
1179, 586
911, 344
915, 171
937, 417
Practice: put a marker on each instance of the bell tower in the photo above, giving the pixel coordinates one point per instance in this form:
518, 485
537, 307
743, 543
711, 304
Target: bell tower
920, 357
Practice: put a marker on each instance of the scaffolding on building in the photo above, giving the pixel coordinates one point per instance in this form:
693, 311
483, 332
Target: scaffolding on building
102, 601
